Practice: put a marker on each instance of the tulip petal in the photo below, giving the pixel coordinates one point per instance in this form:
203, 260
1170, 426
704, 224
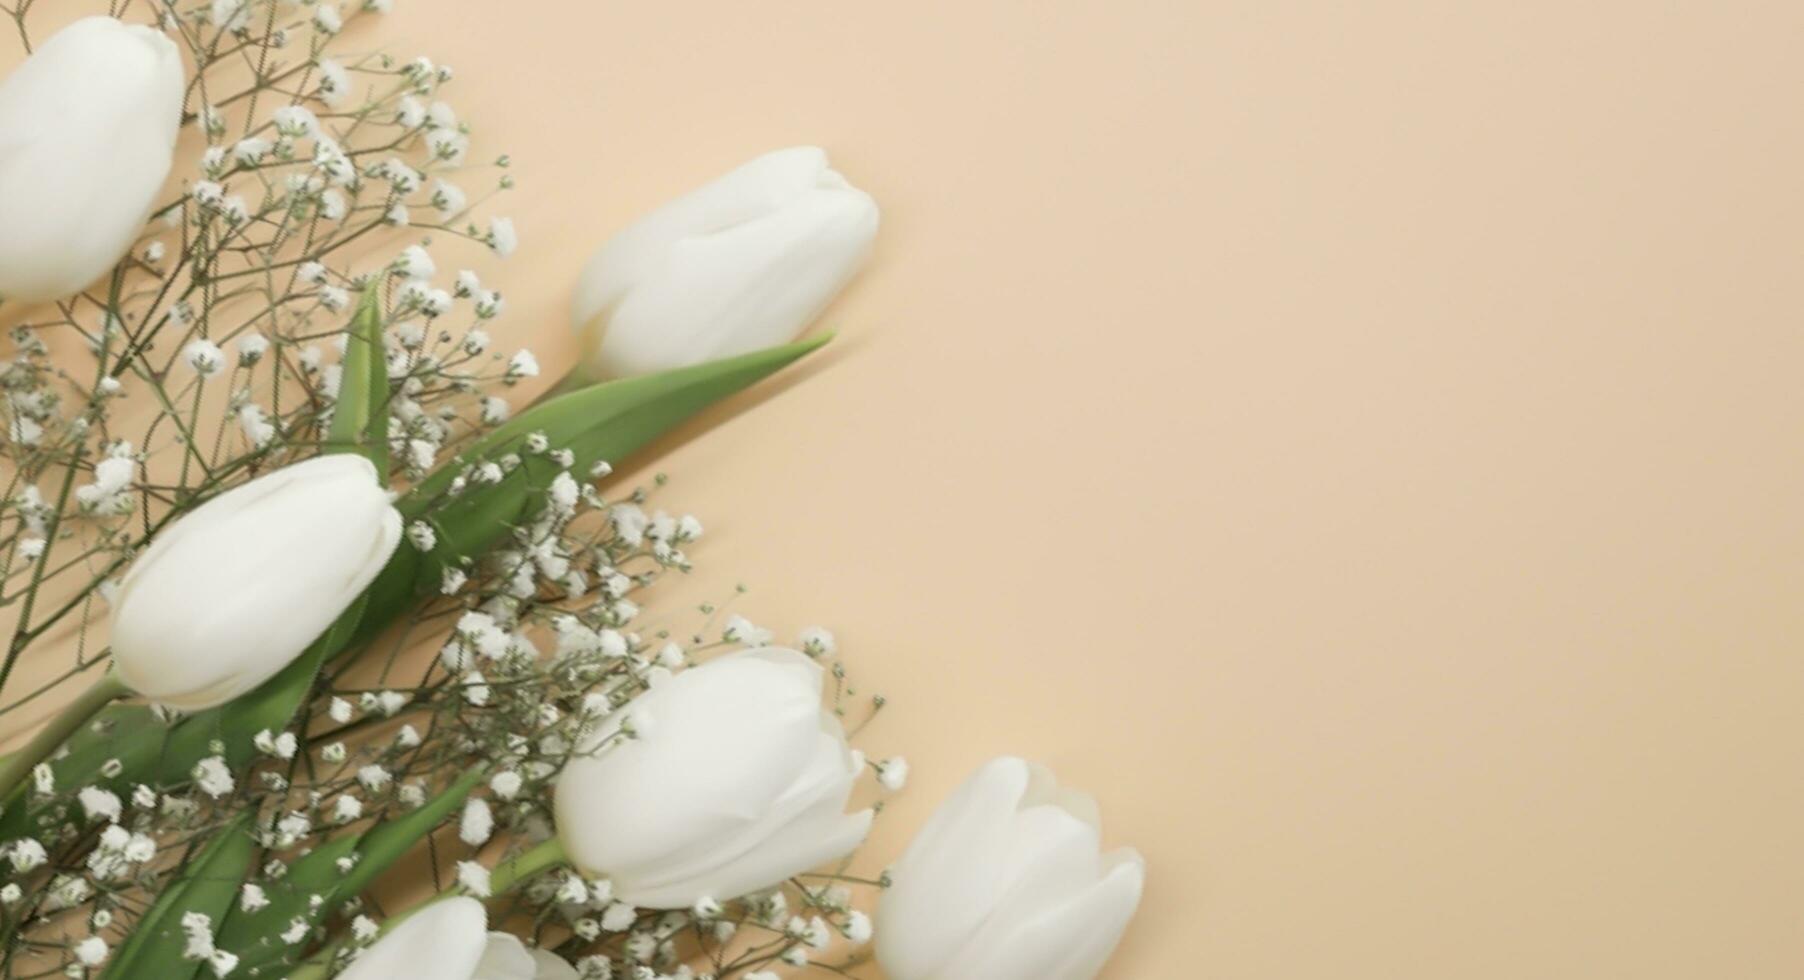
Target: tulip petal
87, 129
725, 741
745, 287
793, 849
639, 251
505, 957
948, 881
233, 591
1068, 940
802, 829
445, 940
552, 967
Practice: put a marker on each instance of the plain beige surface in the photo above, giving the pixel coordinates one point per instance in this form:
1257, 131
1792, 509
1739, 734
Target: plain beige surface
1362, 443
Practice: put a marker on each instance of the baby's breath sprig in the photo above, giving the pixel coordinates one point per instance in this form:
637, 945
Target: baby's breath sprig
211, 352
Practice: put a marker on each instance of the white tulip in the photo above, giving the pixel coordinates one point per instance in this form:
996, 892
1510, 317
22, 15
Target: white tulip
87, 132
739, 264
1007, 882
736, 778
233, 591
449, 940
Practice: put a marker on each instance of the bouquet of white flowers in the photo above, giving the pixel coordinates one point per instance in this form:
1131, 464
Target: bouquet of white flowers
317, 606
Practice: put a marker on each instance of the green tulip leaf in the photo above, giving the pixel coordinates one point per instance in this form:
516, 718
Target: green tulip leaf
360, 416
255, 937
155, 752
602, 422
207, 884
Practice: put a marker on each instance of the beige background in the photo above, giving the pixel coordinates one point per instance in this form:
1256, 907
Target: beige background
1362, 443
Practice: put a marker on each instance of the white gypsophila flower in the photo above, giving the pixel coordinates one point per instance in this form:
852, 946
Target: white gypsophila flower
450, 146
415, 263
466, 284
489, 305
258, 430
374, 778
251, 898
447, 198
741, 630
474, 878
618, 917
99, 804
523, 365
409, 113
893, 773
108, 494
250, 150
477, 823
494, 410
26, 854
346, 808
858, 928
204, 357
198, 928
506, 784
327, 19
334, 86
296, 122
229, 15
213, 777
91, 951
452, 580
817, 642
501, 237
251, 348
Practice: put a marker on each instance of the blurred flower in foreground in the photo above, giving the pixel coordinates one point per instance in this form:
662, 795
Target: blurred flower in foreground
449, 940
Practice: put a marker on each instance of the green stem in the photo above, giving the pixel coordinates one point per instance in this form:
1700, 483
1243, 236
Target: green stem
539, 857
56, 731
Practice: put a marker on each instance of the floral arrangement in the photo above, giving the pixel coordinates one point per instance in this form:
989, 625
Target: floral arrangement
324, 608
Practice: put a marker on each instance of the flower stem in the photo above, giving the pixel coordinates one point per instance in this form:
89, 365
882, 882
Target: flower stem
540, 857
56, 731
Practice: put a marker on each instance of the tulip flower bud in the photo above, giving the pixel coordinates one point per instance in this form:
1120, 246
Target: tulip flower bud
87, 132
449, 940
1006, 882
734, 779
234, 591
743, 263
